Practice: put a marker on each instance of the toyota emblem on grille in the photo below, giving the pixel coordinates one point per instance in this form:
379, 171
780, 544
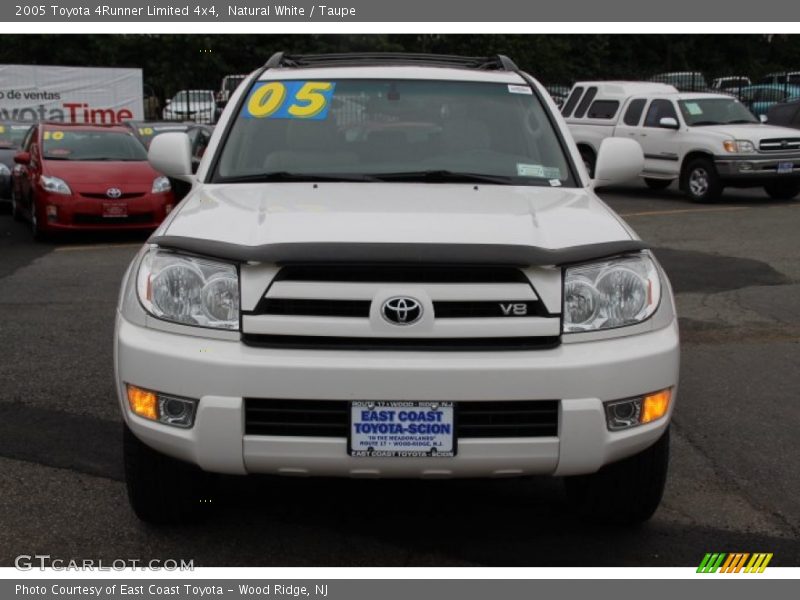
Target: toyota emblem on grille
113, 192
402, 310
784, 144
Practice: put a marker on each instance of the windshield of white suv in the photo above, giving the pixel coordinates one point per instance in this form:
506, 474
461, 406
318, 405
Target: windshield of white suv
393, 130
715, 111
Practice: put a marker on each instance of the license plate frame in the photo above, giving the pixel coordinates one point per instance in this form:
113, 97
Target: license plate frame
115, 210
388, 445
784, 168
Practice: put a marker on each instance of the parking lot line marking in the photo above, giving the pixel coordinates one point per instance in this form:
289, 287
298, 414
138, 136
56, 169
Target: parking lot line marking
678, 211
95, 247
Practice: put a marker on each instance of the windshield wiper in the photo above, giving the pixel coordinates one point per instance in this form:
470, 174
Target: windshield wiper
741, 121
706, 123
444, 176
279, 176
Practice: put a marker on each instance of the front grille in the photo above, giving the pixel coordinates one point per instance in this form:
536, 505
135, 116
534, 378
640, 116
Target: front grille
334, 307
474, 344
104, 196
383, 273
360, 308
331, 418
313, 308
82, 219
779, 145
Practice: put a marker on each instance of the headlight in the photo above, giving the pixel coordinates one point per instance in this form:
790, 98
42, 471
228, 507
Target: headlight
160, 184
4, 170
55, 185
189, 290
739, 146
613, 293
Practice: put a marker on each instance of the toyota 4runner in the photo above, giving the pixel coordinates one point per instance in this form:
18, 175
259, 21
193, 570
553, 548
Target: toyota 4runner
394, 265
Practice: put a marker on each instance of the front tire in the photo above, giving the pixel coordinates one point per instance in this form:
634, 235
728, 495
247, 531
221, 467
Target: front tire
782, 190
700, 181
162, 490
627, 492
657, 184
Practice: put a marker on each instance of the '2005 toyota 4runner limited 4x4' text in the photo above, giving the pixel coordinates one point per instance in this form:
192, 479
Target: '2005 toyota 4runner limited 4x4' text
395, 265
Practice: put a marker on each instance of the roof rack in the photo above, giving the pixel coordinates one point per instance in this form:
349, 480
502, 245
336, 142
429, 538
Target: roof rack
360, 59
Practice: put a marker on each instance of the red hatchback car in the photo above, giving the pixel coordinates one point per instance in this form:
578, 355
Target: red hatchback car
70, 177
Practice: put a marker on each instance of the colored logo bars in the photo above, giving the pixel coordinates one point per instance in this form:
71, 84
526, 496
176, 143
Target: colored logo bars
734, 562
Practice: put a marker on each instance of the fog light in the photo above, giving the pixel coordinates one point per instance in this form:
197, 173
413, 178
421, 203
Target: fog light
52, 212
745, 166
143, 402
623, 414
178, 412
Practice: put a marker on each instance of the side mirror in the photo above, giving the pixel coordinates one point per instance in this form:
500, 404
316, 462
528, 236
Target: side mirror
668, 123
618, 160
762, 118
171, 154
22, 158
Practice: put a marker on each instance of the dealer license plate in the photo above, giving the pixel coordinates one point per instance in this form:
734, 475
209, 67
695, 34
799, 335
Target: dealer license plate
115, 209
785, 167
402, 429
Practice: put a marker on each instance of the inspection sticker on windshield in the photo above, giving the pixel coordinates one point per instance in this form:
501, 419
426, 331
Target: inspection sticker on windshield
307, 100
402, 429
526, 170
693, 108
520, 89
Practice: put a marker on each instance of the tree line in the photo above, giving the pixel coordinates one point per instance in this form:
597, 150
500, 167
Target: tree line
177, 61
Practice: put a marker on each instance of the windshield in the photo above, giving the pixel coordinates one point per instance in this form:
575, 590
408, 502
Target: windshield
90, 145
402, 130
193, 96
715, 111
11, 136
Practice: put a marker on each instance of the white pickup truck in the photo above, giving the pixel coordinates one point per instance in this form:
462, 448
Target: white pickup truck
705, 141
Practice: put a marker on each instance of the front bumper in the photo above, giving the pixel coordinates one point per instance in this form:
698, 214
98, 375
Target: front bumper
220, 373
756, 167
76, 212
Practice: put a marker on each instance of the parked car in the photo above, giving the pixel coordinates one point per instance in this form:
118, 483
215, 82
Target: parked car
73, 177
11, 135
730, 83
199, 134
441, 295
704, 141
760, 97
692, 81
786, 114
227, 87
784, 77
192, 105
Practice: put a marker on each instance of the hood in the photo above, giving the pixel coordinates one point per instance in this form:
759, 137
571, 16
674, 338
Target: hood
395, 213
90, 174
753, 132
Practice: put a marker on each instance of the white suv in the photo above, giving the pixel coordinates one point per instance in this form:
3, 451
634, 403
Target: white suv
395, 266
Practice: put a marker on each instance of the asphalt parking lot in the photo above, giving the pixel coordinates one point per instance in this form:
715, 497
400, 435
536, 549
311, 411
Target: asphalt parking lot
734, 483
